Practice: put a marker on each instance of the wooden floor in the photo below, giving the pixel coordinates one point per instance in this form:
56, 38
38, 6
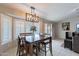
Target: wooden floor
57, 46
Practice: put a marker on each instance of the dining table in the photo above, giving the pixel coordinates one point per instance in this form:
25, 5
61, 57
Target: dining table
33, 39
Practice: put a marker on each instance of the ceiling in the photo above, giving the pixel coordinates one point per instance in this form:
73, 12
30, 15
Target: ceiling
50, 11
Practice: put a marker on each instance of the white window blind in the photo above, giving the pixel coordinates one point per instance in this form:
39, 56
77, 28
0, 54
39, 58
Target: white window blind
19, 27
48, 28
6, 29
28, 26
37, 27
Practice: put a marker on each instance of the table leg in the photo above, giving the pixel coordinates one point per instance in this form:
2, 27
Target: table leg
51, 48
27, 49
37, 48
31, 49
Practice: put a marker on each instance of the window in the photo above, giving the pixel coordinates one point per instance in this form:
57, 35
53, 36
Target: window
28, 26
77, 27
48, 28
6, 28
37, 27
19, 27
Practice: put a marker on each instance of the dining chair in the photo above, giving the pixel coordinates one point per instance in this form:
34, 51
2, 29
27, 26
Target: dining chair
35, 48
22, 47
45, 42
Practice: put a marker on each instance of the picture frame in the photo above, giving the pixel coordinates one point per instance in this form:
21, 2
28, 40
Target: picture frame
66, 26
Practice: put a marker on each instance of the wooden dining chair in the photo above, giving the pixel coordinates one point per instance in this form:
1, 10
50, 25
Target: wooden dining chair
44, 42
22, 47
35, 48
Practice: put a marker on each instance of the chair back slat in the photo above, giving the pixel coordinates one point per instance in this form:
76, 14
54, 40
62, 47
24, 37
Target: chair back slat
25, 34
48, 38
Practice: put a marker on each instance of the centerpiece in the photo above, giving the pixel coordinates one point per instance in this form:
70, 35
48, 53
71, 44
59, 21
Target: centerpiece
33, 29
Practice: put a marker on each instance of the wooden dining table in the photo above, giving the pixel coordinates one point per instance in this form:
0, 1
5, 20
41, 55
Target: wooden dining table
31, 40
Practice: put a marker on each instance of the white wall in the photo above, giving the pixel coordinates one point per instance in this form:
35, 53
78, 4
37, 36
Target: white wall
73, 22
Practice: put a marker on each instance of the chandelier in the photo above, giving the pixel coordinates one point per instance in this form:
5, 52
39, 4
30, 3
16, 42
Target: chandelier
32, 17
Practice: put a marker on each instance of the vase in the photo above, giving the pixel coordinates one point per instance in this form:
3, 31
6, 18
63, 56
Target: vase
33, 35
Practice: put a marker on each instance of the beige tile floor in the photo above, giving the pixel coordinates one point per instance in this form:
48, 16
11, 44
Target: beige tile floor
58, 50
